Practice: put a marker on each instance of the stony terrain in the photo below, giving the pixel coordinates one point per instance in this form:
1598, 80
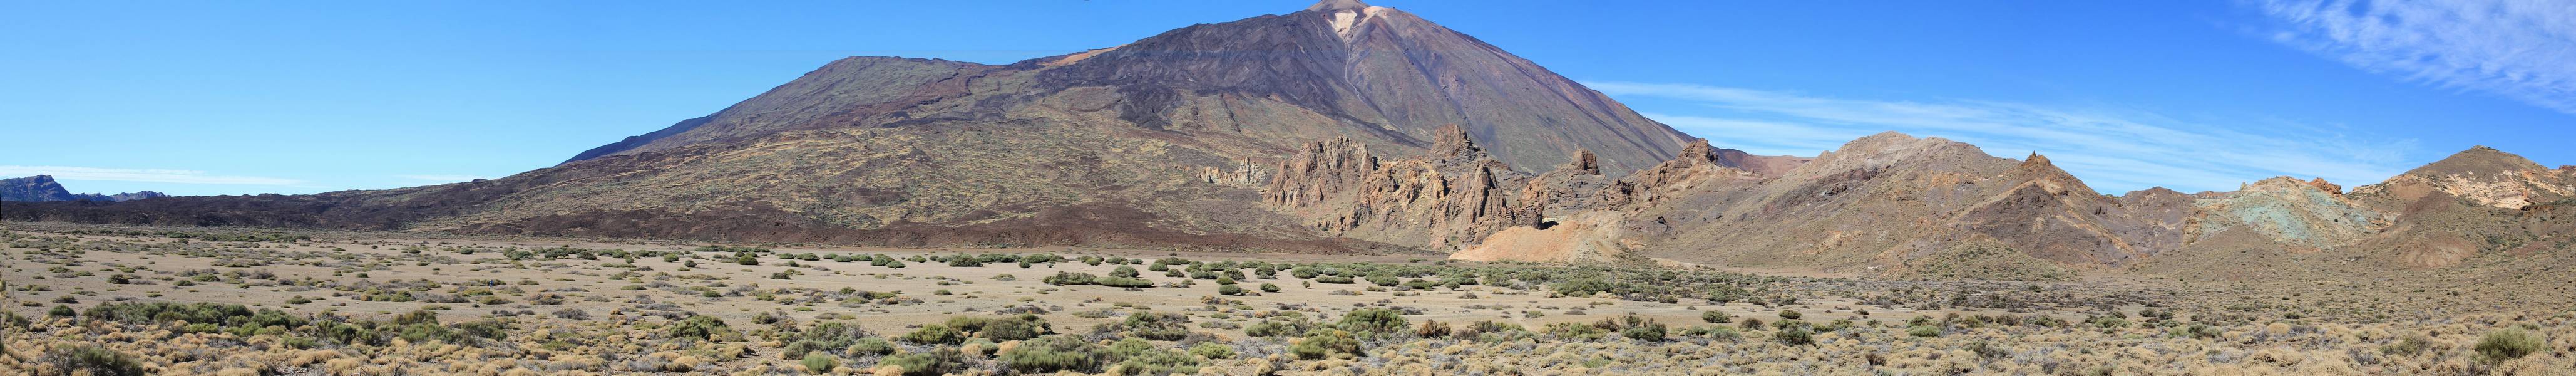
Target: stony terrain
96, 299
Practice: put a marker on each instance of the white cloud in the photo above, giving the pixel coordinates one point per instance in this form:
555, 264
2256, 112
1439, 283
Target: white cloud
2519, 49
141, 175
442, 178
2115, 151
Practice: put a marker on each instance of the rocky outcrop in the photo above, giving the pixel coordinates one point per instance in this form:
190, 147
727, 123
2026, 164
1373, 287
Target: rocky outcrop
1447, 198
2311, 215
2477, 201
1320, 171
33, 189
43, 188
1590, 237
2483, 175
1586, 164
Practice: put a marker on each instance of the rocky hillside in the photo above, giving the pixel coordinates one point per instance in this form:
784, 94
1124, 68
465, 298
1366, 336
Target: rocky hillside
41, 188
1896, 205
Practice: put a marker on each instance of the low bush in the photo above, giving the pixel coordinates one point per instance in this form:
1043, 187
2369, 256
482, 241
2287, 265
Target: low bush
1372, 322
94, 361
702, 327
939, 361
1159, 326
934, 334
819, 363
1795, 335
1327, 344
1125, 282
2508, 344
1052, 354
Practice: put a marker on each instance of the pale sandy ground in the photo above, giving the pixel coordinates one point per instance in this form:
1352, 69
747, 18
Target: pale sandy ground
973, 287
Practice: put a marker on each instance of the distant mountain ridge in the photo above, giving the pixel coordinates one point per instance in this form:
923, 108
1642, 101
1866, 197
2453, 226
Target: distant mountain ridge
41, 188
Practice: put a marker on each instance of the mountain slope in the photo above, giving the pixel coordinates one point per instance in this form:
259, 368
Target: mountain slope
1380, 75
1164, 141
42, 188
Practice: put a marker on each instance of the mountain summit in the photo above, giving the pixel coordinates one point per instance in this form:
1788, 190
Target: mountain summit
1340, 68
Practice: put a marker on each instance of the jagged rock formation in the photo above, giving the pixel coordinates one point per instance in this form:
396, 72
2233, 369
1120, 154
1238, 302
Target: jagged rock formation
1452, 196
42, 188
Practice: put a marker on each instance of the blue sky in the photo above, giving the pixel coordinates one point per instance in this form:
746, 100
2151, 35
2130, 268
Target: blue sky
300, 97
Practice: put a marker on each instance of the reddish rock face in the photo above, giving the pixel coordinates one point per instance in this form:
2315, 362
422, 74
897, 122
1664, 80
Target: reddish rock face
2322, 185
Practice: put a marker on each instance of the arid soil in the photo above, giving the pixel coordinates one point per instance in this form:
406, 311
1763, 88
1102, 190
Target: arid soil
87, 297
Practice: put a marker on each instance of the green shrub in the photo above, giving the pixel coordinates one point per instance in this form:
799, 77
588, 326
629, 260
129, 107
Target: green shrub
1014, 328
1791, 315
1265, 287
1716, 317
1229, 290
1069, 278
1159, 363
939, 361
869, 346
1278, 329
701, 327
95, 361
934, 334
819, 363
2201, 331
1372, 321
1713, 332
62, 311
1327, 343
1125, 282
1213, 350
1648, 332
1576, 331
1795, 335
2508, 344
1159, 326
1051, 354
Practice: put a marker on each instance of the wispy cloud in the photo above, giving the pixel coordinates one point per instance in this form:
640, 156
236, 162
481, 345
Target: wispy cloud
2111, 149
2519, 49
441, 178
141, 175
